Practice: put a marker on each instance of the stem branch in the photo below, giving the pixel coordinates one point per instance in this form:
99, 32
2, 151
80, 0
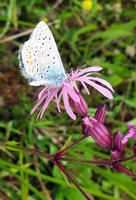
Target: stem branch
30, 150
63, 151
101, 162
66, 172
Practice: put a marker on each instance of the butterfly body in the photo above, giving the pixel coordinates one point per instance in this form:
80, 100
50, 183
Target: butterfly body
39, 58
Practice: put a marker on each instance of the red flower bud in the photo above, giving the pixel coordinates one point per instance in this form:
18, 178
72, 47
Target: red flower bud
117, 141
80, 107
100, 114
91, 127
115, 155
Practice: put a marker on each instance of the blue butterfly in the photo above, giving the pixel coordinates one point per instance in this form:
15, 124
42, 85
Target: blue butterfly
39, 58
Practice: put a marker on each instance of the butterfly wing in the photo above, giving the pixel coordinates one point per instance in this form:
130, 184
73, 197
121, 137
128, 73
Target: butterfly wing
39, 58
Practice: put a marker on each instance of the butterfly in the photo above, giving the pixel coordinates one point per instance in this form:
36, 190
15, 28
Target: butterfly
39, 59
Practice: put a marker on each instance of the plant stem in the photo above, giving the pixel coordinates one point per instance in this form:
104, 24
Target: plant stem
31, 151
66, 172
63, 151
101, 162
124, 159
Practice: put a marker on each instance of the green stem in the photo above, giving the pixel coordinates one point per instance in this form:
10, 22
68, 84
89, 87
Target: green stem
30, 150
63, 151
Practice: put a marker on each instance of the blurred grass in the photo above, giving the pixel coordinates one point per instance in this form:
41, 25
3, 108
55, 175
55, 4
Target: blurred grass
103, 35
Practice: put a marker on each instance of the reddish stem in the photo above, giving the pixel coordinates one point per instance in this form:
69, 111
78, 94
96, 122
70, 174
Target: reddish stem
66, 172
63, 151
101, 162
124, 159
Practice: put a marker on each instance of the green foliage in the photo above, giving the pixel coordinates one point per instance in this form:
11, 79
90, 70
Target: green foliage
105, 36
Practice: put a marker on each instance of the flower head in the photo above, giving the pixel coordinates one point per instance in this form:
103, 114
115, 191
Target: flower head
87, 4
69, 91
120, 141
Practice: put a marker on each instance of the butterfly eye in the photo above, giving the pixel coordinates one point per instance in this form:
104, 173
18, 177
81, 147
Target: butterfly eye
41, 76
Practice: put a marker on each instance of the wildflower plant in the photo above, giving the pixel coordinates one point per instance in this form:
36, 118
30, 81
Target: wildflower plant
66, 87
92, 126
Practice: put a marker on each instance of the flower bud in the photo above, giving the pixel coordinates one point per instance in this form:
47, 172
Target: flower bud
117, 141
80, 107
91, 127
115, 155
100, 114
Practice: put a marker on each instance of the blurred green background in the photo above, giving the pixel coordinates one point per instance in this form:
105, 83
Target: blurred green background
87, 32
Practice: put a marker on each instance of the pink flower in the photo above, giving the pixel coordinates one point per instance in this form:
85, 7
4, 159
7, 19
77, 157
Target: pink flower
67, 90
120, 141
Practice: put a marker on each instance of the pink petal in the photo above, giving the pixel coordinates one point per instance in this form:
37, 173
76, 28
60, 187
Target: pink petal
104, 82
38, 115
57, 103
75, 86
41, 92
85, 87
131, 134
72, 93
48, 100
89, 69
59, 96
94, 73
66, 104
39, 102
101, 89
